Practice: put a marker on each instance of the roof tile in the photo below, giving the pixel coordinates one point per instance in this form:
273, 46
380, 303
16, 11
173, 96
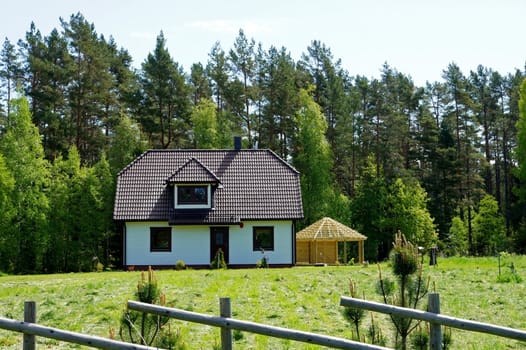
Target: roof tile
256, 185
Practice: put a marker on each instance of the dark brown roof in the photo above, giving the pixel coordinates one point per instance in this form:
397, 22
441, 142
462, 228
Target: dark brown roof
253, 185
193, 171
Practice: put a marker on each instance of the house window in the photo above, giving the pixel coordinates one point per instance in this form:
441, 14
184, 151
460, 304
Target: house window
192, 195
160, 239
263, 238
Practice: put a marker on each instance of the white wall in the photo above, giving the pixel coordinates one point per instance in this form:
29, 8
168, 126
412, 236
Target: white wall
241, 244
192, 244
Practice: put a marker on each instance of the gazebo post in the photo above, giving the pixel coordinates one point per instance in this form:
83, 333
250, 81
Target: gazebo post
344, 252
360, 252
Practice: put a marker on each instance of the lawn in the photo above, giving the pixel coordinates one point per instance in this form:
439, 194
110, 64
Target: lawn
305, 298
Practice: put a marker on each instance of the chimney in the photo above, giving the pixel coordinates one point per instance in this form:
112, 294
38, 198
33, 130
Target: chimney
237, 143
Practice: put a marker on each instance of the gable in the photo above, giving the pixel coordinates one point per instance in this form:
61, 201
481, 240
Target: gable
252, 185
193, 171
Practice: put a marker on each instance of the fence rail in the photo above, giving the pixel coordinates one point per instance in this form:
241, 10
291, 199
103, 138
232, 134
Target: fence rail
66, 336
30, 329
227, 323
435, 318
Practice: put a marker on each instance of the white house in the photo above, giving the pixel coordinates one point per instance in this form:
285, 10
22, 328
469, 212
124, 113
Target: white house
187, 204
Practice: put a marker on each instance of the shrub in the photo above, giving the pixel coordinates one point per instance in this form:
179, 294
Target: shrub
262, 263
219, 260
145, 328
180, 265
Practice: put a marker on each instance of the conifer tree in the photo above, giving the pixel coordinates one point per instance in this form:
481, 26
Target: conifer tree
24, 156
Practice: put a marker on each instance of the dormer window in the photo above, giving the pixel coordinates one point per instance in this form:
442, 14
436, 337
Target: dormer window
192, 196
192, 185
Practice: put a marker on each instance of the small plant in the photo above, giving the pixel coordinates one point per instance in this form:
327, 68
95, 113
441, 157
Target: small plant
353, 314
262, 263
410, 288
145, 328
508, 276
219, 260
180, 265
447, 338
350, 262
420, 338
237, 335
375, 334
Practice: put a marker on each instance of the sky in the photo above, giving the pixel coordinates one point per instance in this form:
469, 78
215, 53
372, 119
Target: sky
416, 37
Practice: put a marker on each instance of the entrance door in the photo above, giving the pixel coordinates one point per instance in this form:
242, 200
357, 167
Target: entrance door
218, 240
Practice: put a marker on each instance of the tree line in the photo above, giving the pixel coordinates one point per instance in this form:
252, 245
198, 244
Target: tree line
441, 162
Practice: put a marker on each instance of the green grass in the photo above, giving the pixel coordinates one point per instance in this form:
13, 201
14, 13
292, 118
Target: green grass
305, 298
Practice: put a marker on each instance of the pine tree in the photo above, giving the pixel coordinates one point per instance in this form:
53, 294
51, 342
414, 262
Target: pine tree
166, 104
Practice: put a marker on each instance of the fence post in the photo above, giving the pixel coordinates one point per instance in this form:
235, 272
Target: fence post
226, 333
30, 316
435, 329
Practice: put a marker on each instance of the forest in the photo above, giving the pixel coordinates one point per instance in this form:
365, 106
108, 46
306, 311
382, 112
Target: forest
444, 163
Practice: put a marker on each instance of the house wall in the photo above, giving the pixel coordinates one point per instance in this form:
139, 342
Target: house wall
192, 244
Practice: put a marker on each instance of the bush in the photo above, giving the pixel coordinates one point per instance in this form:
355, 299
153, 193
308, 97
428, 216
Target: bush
145, 328
180, 265
219, 260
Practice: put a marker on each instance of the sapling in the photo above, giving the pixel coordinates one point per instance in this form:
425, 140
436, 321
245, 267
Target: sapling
411, 288
353, 314
146, 328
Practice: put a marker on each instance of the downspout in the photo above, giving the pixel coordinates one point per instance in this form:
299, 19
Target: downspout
124, 247
293, 228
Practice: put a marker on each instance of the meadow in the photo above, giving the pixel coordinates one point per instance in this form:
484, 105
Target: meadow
305, 298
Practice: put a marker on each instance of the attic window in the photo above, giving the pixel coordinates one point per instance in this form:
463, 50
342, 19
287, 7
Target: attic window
192, 196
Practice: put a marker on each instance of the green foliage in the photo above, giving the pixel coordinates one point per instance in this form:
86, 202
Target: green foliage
24, 156
313, 158
126, 144
180, 265
7, 214
379, 208
237, 335
458, 238
406, 266
352, 314
165, 107
219, 260
368, 209
287, 297
145, 328
510, 274
489, 231
351, 137
375, 334
404, 257
420, 338
520, 149
205, 128
262, 263
408, 213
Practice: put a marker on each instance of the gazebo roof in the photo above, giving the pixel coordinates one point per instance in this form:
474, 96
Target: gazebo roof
328, 229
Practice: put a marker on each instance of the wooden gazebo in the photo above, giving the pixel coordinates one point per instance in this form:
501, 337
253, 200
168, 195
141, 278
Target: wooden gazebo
318, 243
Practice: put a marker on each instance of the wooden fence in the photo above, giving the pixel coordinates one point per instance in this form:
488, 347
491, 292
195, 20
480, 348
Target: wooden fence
30, 329
435, 320
226, 323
